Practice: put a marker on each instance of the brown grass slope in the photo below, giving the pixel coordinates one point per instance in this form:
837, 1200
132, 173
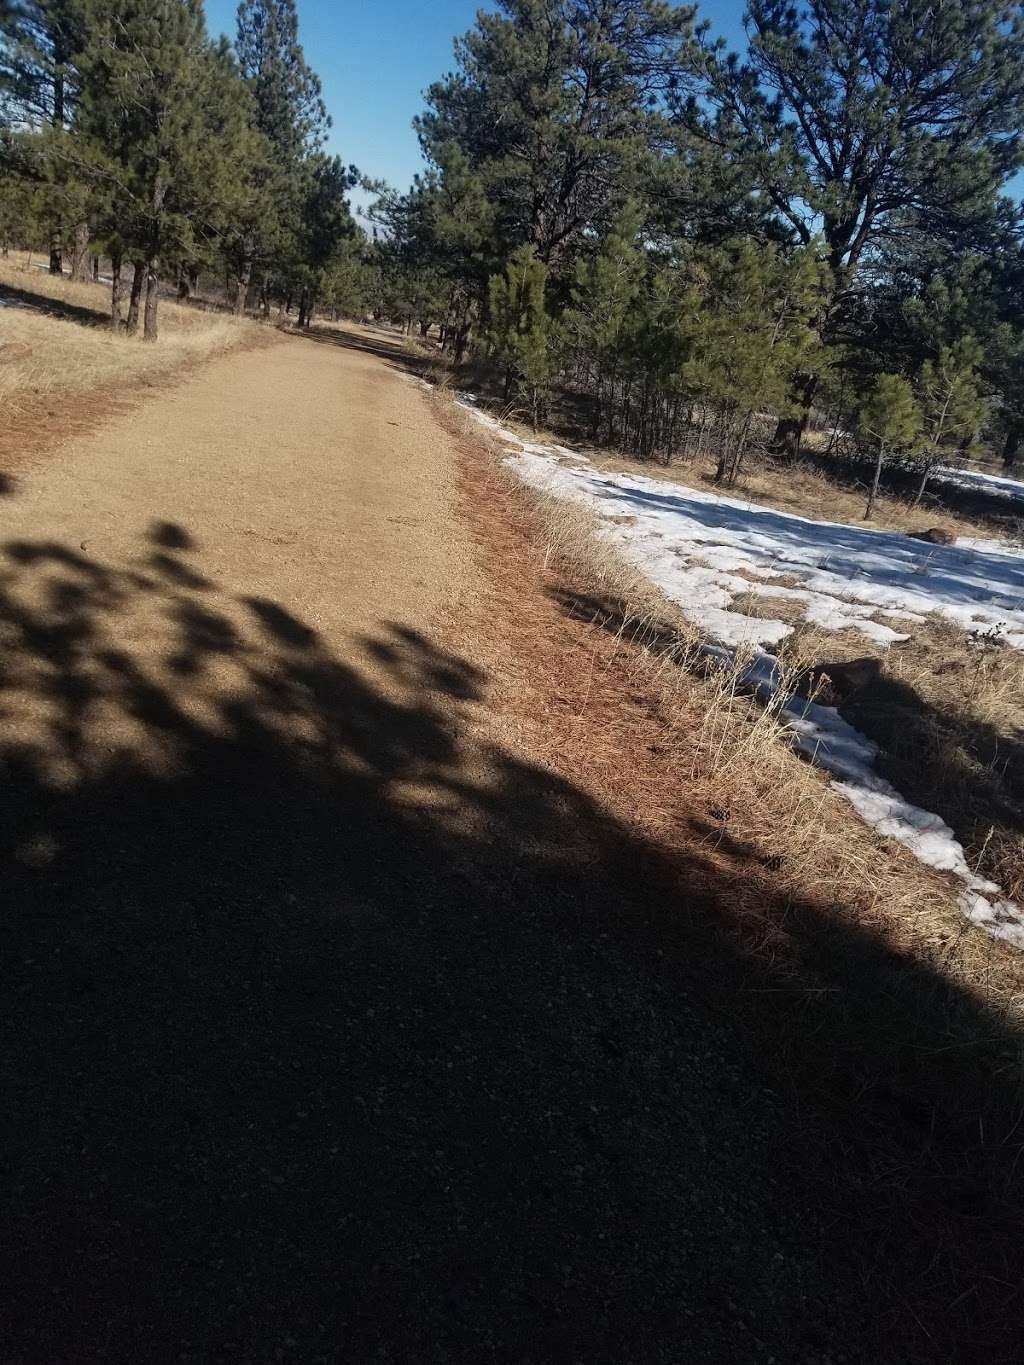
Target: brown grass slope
840, 961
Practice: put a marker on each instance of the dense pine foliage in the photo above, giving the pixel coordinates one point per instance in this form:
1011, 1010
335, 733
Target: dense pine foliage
690, 249
702, 247
127, 131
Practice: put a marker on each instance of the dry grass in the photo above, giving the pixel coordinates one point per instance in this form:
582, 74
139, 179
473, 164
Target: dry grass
45, 354
733, 762
948, 711
864, 992
803, 491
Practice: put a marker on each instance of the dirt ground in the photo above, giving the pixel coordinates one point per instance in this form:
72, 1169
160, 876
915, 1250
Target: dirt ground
345, 1027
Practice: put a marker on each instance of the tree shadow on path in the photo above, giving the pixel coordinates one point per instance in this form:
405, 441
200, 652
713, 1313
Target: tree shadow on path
336, 1036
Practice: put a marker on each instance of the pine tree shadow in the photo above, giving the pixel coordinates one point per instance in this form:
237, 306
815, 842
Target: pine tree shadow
38, 302
337, 1036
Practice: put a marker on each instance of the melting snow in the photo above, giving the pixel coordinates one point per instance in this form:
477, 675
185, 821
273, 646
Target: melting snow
703, 550
993, 485
693, 544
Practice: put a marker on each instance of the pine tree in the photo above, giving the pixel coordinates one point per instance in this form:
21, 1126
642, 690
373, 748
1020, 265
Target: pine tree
861, 114
520, 328
952, 404
291, 118
552, 108
325, 224
606, 294
171, 118
754, 335
892, 418
40, 45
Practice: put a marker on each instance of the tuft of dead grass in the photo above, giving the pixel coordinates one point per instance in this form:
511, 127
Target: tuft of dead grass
47, 354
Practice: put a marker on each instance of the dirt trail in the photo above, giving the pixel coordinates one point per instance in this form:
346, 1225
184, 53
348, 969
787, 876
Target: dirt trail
321, 485
343, 1030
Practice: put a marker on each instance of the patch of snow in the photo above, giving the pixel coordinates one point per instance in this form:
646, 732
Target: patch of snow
975, 480
691, 544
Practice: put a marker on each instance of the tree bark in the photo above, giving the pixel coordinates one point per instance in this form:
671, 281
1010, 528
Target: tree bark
56, 253
875, 482
150, 325
80, 252
789, 432
1011, 446
188, 282
242, 289
132, 325
115, 294
96, 269
923, 484
461, 342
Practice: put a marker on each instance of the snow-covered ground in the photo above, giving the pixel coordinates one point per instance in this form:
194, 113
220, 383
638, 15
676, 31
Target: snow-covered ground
976, 481
704, 551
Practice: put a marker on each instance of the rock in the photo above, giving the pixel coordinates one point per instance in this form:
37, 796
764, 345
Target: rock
935, 535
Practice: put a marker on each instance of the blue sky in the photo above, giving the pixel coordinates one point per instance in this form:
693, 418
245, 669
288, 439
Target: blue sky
376, 57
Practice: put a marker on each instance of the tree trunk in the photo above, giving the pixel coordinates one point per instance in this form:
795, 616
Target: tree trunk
875, 482
96, 269
461, 342
56, 253
302, 307
115, 293
150, 326
80, 252
790, 430
132, 325
242, 289
923, 484
1011, 446
738, 451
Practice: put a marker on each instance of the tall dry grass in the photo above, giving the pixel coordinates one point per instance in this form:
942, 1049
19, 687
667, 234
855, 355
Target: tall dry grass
734, 757
44, 352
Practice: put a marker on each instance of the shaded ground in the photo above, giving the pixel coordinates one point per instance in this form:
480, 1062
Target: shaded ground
341, 1028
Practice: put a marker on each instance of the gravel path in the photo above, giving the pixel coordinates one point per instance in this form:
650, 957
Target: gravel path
332, 1040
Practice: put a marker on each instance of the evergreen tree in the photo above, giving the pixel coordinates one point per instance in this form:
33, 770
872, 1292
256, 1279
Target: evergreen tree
755, 335
891, 417
40, 46
291, 118
171, 119
520, 328
325, 224
552, 109
861, 114
952, 405
606, 294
